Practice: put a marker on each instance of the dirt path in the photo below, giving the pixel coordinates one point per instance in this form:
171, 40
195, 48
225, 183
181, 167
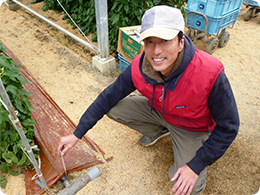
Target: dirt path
63, 68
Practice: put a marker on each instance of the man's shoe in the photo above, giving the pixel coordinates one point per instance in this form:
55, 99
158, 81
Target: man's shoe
147, 141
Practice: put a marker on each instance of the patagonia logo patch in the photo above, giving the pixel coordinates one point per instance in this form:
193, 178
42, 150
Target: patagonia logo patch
178, 107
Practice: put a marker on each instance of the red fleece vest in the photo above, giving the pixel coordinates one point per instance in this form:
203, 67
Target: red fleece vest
185, 107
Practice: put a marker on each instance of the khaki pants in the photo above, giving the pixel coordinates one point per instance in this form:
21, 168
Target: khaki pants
134, 111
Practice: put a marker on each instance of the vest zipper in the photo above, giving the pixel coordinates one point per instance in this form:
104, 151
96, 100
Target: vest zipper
161, 98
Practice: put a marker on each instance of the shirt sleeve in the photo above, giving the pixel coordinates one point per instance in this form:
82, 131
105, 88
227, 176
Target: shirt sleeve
105, 101
224, 111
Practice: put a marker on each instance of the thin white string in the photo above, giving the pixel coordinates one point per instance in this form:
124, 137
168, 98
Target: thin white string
16, 112
4, 104
39, 160
23, 149
64, 167
75, 23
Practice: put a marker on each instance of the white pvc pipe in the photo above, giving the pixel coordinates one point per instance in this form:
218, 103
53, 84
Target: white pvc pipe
58, 27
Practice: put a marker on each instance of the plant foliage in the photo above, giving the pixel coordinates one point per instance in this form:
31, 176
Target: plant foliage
11, 153
121, 13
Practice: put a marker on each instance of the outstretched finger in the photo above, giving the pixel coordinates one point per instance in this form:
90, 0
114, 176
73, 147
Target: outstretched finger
175, 176
186, 190
176, 187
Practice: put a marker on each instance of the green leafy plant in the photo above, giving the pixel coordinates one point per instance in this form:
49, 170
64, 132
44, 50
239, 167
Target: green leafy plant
11, 153
121, 13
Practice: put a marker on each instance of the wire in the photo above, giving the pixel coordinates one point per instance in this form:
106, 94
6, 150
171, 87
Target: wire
4, 104
63, 163
75, 24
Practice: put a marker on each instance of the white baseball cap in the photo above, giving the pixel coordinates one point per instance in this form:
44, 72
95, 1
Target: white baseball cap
161, 21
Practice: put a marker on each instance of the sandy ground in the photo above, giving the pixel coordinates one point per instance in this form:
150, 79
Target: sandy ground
63, 68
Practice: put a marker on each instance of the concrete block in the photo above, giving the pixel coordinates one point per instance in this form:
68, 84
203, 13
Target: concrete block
104, 65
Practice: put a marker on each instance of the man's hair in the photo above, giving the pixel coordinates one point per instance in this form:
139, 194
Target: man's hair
180, 36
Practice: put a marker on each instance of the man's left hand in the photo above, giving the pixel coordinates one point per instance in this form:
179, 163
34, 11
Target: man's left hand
186, 179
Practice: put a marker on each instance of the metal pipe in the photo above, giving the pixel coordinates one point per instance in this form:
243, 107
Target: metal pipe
102, 27
58, 27
18, 126
81, 182
65, 181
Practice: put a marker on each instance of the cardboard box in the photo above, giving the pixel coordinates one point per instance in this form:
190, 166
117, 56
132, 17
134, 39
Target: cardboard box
128, 45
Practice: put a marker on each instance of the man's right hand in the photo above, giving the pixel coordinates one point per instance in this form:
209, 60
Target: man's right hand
66, 143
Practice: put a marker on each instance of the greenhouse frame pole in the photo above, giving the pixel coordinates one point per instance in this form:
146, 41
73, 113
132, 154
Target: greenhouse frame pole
102, 27
18, 126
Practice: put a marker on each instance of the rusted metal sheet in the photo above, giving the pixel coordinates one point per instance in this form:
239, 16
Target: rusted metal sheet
51, 124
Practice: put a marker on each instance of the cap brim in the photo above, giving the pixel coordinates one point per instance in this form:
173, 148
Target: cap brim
160, 32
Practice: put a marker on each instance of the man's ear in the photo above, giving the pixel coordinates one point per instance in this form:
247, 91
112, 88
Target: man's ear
181, 44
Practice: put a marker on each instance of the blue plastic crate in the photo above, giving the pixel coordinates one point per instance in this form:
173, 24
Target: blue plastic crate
251, 2
213, 8
123, 63
215, 24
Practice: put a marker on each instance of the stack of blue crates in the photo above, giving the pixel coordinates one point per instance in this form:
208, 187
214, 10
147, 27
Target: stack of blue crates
220, 14
123, 62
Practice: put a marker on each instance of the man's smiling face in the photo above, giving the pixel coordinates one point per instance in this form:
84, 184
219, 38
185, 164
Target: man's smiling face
162, 54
